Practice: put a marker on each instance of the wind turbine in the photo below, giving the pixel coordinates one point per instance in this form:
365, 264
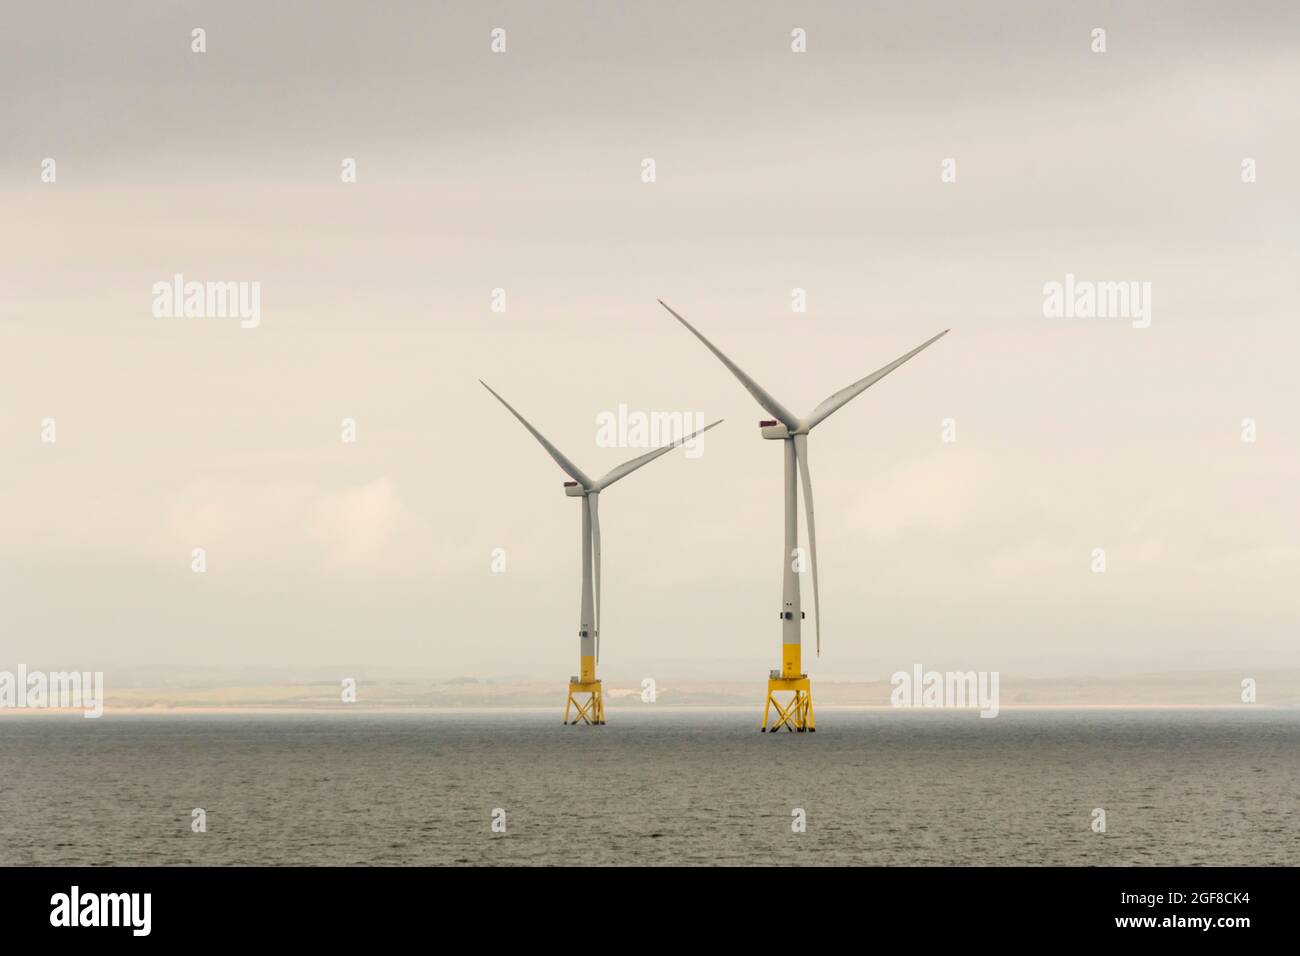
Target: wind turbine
797, 714
585, 682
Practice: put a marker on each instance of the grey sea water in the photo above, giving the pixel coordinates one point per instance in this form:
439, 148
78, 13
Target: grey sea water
654, 787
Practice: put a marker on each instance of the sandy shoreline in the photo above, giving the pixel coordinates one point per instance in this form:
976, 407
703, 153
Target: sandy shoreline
163, 710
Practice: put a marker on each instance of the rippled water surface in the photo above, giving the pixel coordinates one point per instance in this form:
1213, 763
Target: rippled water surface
878, 787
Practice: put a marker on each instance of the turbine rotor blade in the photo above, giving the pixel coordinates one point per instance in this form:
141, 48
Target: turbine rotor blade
761, 395
593, 506
846, 395
801, 453
625, 469
570, 469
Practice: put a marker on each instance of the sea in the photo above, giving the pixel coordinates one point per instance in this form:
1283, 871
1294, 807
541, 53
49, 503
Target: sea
1105, 787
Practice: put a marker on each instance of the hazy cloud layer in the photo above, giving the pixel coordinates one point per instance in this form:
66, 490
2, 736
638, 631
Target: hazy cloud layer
522, 171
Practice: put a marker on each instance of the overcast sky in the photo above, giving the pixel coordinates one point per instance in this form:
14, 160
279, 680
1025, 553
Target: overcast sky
523, 171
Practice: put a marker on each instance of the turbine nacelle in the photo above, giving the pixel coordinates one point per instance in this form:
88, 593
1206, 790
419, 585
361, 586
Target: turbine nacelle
773, 429
574, 490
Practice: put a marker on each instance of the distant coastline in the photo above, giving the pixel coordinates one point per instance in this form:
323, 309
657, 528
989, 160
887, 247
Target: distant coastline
1206, 690
164, 710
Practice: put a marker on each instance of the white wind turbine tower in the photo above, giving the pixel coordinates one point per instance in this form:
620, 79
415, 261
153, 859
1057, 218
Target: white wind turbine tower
593, 710
797, 714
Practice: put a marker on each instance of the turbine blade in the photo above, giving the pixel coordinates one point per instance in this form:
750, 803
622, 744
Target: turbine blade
625, 469
570, 469
801, 453
846, 395
761, 395
593, 505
